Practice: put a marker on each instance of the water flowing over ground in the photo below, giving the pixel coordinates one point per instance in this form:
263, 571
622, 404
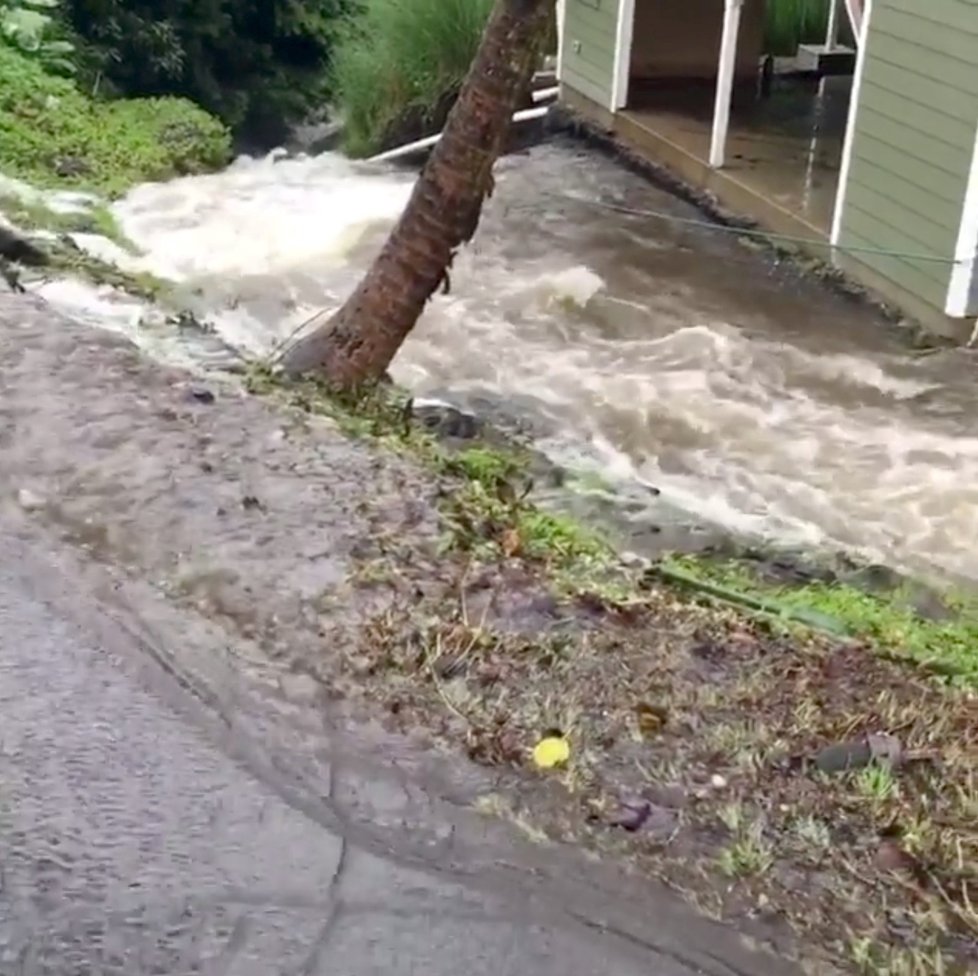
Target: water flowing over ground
650, 350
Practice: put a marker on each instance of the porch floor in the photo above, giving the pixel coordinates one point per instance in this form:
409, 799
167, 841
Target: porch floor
783, 151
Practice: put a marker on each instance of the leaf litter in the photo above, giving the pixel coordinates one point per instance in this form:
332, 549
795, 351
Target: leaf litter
783, 780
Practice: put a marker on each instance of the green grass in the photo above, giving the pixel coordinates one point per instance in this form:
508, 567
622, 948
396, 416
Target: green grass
54, 136
948, 647
793, 22
398, 56
35, 215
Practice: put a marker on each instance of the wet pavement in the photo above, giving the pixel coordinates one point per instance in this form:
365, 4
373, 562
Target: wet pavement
131, 843
171, 799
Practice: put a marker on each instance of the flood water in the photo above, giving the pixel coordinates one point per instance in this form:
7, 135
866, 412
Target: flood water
647, 349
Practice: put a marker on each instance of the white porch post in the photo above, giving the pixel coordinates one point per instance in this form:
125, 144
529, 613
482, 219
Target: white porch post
725, 77
561, 4
623, 54
832, 29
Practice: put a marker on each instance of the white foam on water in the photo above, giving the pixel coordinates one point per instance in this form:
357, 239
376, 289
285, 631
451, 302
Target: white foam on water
643, 350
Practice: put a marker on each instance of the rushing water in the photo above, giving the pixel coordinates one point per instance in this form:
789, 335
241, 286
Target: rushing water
649, 349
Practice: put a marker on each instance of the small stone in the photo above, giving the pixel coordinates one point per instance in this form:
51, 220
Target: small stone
201, 394
841, 757
718, 782
299, 687
885, 749
29, 500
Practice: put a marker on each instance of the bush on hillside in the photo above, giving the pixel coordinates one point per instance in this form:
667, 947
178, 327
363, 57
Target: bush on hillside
51, 134
396, 58
793, 22
257, 66
32, 27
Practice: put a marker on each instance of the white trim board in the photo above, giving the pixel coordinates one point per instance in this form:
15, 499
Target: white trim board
623, 54
959, 288
854, 98
561, 27
726, 67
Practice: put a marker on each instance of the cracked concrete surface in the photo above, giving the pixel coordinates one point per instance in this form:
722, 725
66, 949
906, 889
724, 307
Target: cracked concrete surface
132, 842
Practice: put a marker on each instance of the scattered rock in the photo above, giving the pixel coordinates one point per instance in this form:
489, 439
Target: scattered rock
250, 502
201, 394
72, 166
652, 819
885, 749
30, 501
444, 420
843, 757
14, 247
319, 133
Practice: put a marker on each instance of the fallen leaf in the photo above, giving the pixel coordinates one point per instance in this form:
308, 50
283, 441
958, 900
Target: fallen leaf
651, 718
551, 751
511, 543
892, 858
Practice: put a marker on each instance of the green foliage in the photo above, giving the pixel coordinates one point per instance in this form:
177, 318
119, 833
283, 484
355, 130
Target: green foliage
31, 27
35, 215
398, 56
793, 22
256, 65
53, 135
948, 647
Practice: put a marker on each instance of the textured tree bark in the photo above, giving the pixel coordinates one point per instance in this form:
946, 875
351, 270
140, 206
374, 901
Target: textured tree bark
355, 347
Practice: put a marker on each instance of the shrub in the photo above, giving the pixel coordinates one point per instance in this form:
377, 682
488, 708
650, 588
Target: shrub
31, 27
256, 65
396, 57
53, 135
793, 22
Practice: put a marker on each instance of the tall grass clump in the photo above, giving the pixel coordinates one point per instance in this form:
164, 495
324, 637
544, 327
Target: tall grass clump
397, 58
793, 22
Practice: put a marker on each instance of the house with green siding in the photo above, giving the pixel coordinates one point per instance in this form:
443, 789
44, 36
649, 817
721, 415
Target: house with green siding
876, 168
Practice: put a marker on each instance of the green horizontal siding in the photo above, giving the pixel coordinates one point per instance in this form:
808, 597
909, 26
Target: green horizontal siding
590, 29
913, 141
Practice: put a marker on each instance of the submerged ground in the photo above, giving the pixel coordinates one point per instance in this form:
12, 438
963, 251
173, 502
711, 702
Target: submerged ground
812, 790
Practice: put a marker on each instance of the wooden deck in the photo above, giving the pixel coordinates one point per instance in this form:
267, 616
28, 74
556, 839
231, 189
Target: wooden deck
783, 161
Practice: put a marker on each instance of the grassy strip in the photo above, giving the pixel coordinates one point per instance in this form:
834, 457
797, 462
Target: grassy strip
490, 515
948, 647
35, 215
67, 259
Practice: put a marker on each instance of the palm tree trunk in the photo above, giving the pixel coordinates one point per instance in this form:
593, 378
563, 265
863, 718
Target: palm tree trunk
355, 347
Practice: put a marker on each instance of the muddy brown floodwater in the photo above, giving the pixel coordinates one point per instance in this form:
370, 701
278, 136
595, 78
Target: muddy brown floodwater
644, 349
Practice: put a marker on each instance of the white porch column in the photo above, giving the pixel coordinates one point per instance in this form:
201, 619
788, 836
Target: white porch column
725, 77
623, 54
832, 28
561, 5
